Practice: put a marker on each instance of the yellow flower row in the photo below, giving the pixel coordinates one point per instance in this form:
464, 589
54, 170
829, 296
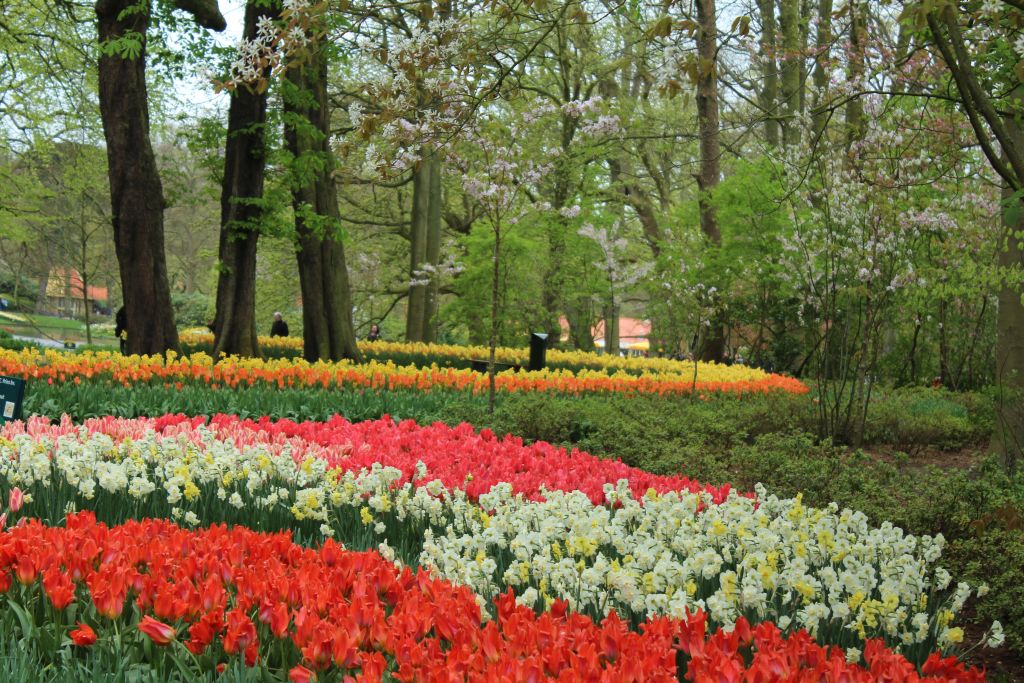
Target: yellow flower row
441, 353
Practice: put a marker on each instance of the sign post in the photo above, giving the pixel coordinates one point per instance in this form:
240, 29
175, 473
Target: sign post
12, 391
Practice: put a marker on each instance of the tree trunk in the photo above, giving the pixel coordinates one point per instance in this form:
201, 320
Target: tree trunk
328, 332
611, 328
822, 59
492, 344
789, 19
241, 211
136, 195
858, 39
1009, 435
86, 309
710, 151
433, 249
416, 303
769, 95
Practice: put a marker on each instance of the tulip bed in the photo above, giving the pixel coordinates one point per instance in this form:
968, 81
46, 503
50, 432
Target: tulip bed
531, 550
451, 355
199, 369
217, 594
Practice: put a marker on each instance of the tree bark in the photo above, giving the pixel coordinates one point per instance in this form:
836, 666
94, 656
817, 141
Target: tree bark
416, 303
769, 95
789, 19
328, 333
136, 194
1009, 434
822, 61
858, 39
241, 210
433, 248
710, 151
611, 327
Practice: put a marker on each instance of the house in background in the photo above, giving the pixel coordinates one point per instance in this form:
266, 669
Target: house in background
63, 288
633, 334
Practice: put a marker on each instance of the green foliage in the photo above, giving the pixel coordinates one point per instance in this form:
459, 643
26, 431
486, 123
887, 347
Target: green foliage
519, 289
917, 417
192, 309
994, 554
92, 399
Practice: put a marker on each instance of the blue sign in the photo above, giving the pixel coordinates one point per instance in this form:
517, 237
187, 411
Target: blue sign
12, 391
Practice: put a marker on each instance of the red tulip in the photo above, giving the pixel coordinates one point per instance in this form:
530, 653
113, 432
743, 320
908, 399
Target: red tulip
300, 674
159, 632
83, 636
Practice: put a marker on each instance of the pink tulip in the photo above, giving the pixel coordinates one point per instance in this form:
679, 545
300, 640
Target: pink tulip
15, 499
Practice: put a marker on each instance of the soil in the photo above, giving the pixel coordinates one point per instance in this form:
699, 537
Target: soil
1002, 665
935, 457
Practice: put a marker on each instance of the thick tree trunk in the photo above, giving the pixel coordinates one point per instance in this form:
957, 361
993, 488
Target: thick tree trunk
1009, 434
416, 303
323, 275
789, 19
136, 195
240, 212
710, 151
433, 249
554, 289
769, 95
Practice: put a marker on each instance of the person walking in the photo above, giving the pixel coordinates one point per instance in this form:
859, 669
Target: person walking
280, 327
121, 328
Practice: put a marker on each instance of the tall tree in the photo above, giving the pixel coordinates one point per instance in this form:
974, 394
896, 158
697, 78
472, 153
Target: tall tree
713, 346
769, 93
242, 206
328, 333
792, 61
992, 98
136, 194
415, 317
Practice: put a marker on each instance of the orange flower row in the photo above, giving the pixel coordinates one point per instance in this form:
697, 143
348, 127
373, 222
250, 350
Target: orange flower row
200, 369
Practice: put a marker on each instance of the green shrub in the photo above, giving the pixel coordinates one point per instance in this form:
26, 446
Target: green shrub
919, 417
994, 554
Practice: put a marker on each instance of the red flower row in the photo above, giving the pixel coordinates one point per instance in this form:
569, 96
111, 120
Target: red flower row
459, 457
234, 593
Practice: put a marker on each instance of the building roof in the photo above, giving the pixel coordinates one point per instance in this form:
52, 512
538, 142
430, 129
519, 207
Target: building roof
62, 281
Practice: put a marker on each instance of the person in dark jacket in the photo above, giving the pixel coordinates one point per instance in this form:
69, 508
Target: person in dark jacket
374, 334
121, 328
280, 327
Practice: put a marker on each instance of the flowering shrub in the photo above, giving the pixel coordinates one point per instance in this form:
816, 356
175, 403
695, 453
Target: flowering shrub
825, 571
221, 595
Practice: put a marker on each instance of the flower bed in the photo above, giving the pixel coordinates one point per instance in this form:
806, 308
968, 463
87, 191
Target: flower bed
54, 366
451, 355
457, 457
660, 553
195, 599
